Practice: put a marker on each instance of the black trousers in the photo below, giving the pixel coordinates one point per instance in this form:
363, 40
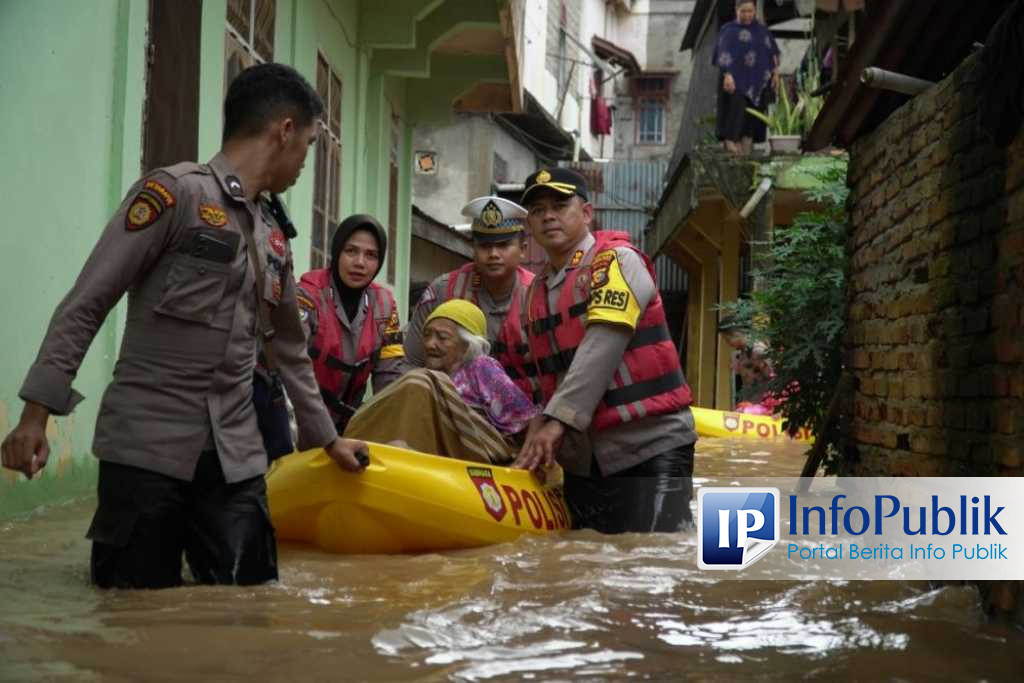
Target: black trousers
652, 496
145, 521
733, 122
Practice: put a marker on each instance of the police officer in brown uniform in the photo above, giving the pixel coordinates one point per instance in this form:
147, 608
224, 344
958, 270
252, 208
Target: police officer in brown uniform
494, 281
181, 459
616, 403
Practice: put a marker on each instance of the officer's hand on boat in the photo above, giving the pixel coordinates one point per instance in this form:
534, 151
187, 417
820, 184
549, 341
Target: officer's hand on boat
26, 449
350, 454
543, 438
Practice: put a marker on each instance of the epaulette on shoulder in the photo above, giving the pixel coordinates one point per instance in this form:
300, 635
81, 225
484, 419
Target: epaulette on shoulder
184, 168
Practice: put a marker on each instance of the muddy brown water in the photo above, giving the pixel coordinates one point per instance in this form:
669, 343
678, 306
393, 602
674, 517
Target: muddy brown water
581, 606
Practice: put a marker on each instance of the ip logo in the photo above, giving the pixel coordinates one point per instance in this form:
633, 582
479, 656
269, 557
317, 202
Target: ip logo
736, 526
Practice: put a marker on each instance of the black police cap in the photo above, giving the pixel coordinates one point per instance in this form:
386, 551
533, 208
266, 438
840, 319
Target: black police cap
562, 180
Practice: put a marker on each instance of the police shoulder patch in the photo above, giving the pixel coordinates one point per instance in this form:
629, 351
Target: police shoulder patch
142, 213
165, 195
149, 203
599, 268
393, 324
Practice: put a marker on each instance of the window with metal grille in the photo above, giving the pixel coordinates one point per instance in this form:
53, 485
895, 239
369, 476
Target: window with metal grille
651, 94
249, 37
327, 170
650, 127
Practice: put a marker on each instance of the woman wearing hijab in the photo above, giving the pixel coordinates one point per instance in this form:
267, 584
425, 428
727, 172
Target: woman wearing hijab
747, 58
351, 322
462, 405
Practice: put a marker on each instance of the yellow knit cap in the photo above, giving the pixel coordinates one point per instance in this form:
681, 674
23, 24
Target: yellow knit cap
463, 313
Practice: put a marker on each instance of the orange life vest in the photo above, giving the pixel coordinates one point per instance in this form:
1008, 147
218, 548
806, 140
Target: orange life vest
649, 379
509, 347
343, 384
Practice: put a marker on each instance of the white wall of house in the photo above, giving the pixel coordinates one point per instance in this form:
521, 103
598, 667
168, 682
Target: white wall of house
650, 30
666, 22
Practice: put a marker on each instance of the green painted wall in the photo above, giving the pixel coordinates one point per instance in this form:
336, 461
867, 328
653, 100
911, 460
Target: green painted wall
72, 87
69, 97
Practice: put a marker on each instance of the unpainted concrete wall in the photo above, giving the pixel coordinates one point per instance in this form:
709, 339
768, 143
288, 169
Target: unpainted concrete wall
465, 164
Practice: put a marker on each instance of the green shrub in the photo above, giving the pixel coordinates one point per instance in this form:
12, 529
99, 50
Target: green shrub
794, 116
798, 305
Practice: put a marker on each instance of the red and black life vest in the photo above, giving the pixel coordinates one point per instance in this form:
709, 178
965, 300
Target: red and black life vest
342, 383
509, 347
649, 379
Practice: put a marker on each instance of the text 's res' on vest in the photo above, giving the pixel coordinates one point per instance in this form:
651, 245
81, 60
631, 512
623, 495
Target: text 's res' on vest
649, 379
509, 347
342, 380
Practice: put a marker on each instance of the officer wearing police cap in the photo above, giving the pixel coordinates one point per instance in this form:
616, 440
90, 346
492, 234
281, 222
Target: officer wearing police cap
494, 281
615, 401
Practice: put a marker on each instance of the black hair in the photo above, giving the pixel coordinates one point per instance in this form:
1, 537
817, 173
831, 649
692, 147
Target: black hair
265, 92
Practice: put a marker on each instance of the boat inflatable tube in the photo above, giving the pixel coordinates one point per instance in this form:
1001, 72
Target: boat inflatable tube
720, 423
408, 502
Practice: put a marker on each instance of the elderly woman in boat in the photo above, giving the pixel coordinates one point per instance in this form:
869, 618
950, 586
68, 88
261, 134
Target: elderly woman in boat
462, 405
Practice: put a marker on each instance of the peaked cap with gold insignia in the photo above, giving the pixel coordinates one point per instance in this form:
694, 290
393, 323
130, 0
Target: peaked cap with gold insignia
495, 219
559, 179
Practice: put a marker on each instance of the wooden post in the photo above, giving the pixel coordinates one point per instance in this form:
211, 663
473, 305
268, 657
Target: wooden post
729, 291
824, 432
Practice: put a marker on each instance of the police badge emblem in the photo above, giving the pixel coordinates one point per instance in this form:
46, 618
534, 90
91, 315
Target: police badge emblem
491, 215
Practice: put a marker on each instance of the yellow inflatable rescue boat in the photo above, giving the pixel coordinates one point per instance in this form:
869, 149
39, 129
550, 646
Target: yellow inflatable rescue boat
408, 502
720, 423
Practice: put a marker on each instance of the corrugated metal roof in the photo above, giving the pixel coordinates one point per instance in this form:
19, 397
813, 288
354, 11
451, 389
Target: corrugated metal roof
625, 195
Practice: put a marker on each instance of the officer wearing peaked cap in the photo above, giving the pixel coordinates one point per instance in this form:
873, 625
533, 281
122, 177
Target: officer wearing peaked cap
494, 281
495, 219
615, 400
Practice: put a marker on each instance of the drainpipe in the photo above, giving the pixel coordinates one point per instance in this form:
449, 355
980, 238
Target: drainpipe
759, 193
575, 146
873, 77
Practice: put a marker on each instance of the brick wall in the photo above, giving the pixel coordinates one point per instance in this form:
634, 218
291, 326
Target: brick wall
936, 301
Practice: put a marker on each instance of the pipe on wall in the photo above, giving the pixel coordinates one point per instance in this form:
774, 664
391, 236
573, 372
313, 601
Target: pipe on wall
873, 77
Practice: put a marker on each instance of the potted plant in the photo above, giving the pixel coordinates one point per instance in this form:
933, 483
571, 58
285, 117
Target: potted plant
789, 119
785, 123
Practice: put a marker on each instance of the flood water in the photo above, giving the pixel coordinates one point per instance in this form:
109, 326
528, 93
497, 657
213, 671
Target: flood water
584, 605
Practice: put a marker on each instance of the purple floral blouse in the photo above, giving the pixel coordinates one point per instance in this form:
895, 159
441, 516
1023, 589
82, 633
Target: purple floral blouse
483, 384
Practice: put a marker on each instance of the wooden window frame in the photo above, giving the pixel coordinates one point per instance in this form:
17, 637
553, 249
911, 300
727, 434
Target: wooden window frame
394, 152
644, 137
327, 163
249, 41
243, 46
648, 98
